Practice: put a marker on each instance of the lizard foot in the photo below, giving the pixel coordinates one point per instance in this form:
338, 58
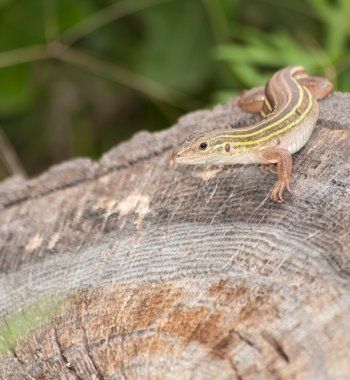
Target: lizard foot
277, 192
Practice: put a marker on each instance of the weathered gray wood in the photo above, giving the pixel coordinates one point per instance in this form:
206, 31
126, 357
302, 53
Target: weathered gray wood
180, 272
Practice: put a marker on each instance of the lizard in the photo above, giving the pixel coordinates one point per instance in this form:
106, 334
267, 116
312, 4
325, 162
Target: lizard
289, 108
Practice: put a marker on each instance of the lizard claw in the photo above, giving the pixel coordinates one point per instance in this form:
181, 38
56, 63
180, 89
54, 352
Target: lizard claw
277, 192
283, 159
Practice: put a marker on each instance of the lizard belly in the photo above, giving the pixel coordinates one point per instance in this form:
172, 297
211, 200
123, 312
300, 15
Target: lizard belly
299, 135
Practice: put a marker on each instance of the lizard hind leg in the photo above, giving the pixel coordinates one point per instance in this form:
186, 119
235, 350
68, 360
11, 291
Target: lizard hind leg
319, 87
284, 171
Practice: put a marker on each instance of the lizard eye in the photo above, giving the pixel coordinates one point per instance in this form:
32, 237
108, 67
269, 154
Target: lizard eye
203, 145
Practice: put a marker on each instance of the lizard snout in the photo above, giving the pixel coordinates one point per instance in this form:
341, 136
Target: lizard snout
176, 154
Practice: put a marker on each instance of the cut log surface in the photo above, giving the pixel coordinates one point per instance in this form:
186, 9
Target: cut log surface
166, 271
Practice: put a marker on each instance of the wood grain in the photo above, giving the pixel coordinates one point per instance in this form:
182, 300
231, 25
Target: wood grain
176, 272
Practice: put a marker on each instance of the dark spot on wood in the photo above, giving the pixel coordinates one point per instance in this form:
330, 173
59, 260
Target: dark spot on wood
276, 345
227, 147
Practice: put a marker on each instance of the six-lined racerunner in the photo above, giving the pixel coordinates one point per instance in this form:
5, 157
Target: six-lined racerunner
289, 107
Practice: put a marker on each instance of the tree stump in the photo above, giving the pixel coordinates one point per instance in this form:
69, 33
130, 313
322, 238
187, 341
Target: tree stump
162, 271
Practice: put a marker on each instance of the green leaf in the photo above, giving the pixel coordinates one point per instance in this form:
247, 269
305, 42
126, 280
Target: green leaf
70, 12
3, 3
335, 18
177, 48
223, 96
21, 25
16, 90
269, 52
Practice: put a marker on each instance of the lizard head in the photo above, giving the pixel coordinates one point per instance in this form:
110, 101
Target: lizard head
204, 148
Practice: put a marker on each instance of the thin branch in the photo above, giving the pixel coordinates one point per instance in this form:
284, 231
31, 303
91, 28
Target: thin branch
9, 157
56, 49
103, 17
127, 78
23, 55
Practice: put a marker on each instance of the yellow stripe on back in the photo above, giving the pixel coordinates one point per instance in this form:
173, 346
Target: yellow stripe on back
282, 130
281, 120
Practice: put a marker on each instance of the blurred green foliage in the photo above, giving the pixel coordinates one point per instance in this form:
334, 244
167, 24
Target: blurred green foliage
77, 77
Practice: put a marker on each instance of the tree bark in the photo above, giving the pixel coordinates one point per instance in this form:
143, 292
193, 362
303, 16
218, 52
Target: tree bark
162, 271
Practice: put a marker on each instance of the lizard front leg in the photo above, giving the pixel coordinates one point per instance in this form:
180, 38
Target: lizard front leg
283, 159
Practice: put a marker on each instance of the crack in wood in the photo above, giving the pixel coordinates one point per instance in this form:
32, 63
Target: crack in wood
235, 369
70, 367
14, 353
122, 364
98, 373
276, 345
244, 339
222, 348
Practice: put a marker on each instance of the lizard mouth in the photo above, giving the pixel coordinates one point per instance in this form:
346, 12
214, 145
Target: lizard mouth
179, 154
183, 158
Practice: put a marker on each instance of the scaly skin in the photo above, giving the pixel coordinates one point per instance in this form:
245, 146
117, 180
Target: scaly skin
289, 107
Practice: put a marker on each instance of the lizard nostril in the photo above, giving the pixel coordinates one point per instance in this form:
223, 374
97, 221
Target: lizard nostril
176, 155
